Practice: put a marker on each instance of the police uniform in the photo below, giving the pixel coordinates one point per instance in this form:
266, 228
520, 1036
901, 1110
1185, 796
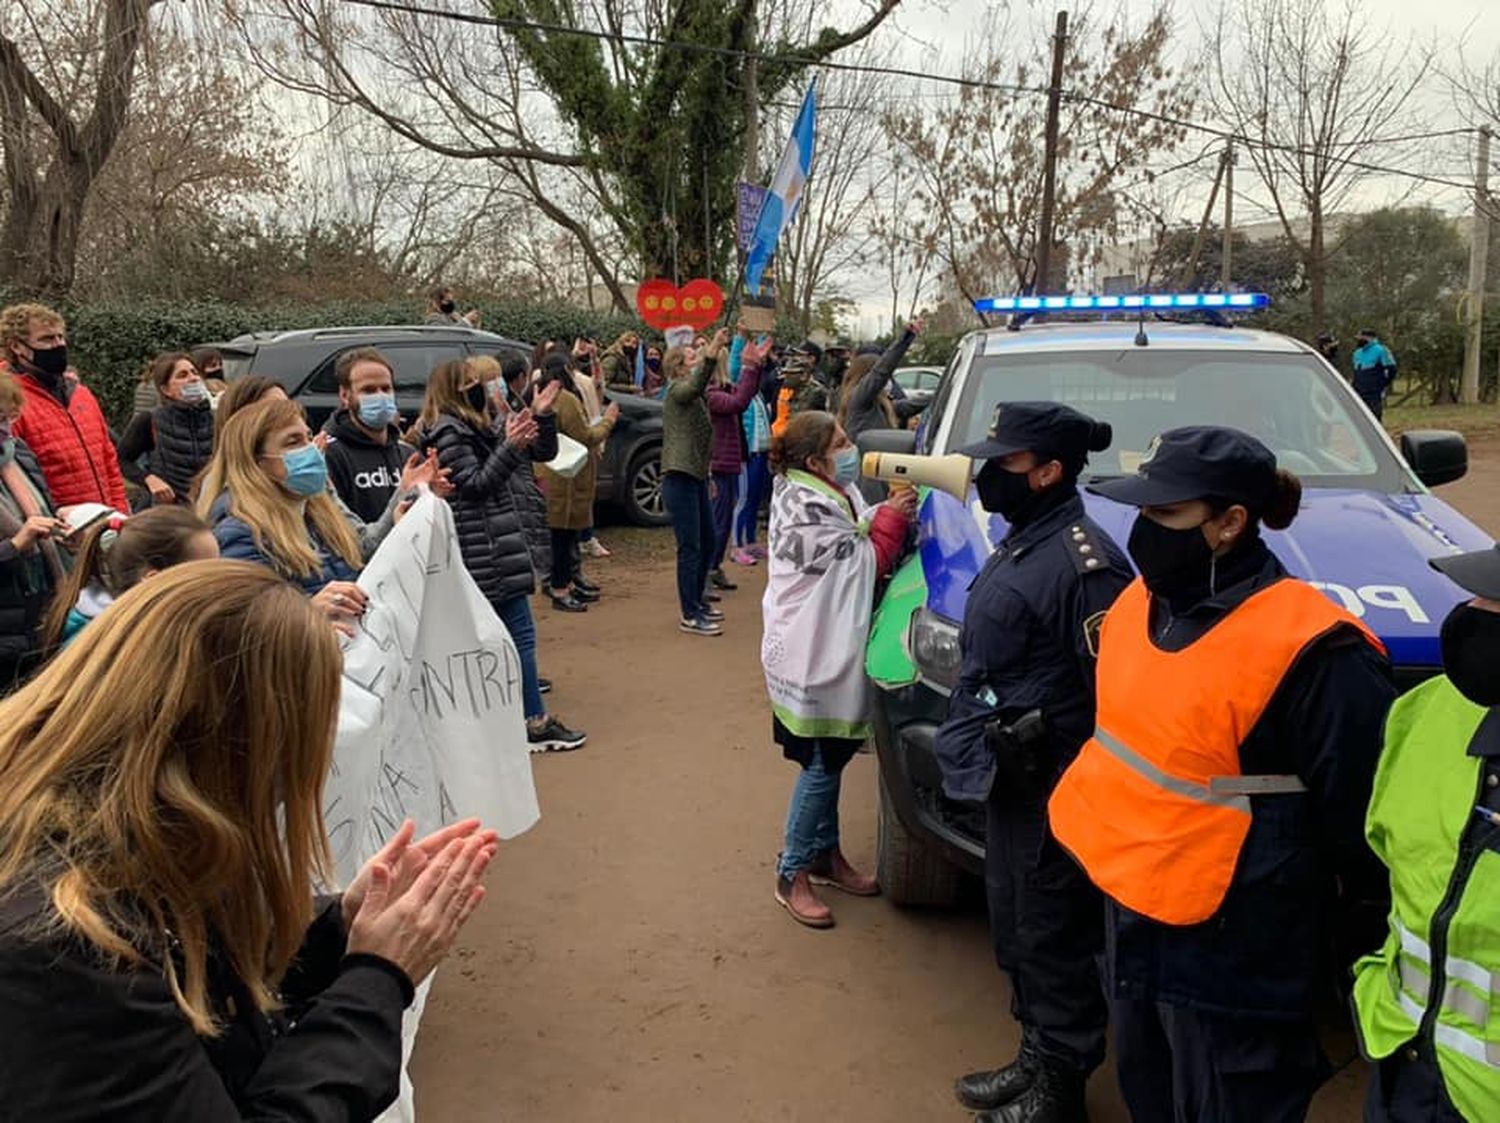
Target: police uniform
1427, 1003
1023, 705
1220, 802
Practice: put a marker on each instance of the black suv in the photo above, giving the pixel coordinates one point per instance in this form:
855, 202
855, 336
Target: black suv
302, 362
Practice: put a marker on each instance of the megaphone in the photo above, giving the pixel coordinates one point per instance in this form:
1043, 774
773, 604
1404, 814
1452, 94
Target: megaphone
951, 473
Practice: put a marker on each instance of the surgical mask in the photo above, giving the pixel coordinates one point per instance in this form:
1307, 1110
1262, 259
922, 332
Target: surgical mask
446, 307
846, 465
194, 392
1470, 641
306, 471
476, 396
377, 411
1001, 492
1172, 562
51, 361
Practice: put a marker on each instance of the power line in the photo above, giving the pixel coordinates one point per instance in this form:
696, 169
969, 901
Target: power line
945, 79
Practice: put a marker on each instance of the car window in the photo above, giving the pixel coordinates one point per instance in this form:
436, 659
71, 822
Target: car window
928, 380
412, 362
1288, 401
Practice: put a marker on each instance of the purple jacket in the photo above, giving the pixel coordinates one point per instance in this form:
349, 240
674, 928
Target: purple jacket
727, 404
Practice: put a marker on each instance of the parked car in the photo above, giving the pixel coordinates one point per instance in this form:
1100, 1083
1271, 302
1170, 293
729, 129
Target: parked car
1367, 527
303, 363
919, 384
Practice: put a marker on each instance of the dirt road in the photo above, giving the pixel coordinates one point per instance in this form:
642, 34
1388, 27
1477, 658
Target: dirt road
630, 964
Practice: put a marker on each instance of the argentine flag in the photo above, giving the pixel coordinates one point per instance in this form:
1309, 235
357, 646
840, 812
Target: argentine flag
785, 193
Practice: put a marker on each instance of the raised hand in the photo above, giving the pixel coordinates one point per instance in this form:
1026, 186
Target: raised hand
521, 429
755, 354
545, 398
717, 344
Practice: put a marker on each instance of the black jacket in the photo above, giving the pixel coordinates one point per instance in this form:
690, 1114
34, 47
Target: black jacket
25, 587
1304, 869
364, 472
175, 440
85, 1040
1029, 642
491, 532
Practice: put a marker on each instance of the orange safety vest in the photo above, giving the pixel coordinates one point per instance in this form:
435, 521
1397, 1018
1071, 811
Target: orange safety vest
783, 410
1155, 807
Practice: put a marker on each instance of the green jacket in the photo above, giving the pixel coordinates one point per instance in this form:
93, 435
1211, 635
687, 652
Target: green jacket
687, 429
1435, 984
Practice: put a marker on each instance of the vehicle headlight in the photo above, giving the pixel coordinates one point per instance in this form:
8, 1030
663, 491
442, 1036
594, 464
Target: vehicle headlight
933, 645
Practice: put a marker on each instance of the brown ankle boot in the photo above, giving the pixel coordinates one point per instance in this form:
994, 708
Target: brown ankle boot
796, 896
832, 868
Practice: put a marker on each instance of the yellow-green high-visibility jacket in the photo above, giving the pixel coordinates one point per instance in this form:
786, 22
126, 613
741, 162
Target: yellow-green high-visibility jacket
1436, 982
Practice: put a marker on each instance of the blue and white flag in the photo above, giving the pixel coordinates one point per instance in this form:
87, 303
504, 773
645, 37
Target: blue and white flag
780, 207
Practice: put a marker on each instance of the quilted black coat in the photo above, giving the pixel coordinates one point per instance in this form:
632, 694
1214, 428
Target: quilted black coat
490, 531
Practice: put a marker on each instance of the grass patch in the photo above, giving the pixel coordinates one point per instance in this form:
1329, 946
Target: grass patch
1474, 422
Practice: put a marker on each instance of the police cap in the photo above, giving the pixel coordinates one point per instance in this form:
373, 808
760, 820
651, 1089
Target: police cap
1046, 428
1477, 571
1198, 462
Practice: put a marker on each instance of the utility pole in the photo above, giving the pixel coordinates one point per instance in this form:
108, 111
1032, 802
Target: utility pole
1479, 248
1190, 270
1049, 164
1227, 256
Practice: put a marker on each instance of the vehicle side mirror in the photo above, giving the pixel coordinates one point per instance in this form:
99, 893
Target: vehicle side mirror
1437, 456
903, 441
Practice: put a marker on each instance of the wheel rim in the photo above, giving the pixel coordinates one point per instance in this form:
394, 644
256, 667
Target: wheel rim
646, 488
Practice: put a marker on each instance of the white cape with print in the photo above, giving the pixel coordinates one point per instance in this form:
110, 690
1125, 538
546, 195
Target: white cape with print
817, 608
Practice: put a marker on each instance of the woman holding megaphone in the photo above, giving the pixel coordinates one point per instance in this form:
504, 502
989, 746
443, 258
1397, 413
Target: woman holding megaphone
827, 549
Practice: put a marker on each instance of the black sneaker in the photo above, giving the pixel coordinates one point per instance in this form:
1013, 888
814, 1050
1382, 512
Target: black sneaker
584, 585
569, 603
555, 737
700, 626
543, 685
712, 598
585, 596
712, 615
719, 580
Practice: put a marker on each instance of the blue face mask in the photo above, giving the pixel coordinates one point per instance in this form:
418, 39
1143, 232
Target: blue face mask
194, 392
306, 471
846, 465
376, 411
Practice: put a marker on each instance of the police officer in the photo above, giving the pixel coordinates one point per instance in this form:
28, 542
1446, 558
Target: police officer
1428, 1004
1374, 370
1023, 705
1220, 802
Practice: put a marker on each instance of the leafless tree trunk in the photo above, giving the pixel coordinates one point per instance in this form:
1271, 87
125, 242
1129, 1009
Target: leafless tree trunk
49, 170
1314, 93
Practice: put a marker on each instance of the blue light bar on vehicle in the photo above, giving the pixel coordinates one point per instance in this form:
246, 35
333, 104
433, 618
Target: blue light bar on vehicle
1133, 302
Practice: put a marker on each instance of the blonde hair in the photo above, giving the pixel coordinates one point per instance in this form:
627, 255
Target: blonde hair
163, 779
445, 396
275, 517
674, 364
12, 398
16, 321
484, 367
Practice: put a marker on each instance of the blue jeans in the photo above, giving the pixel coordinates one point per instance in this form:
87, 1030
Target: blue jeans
515, 614
726, 492
693, 523
812, 819
757, 487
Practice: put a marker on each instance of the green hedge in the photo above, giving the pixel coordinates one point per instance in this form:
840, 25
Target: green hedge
110, 344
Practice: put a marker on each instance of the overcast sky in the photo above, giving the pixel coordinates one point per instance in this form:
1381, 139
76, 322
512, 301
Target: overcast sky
933, 33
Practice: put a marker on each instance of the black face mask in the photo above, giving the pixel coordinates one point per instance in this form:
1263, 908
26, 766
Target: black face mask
476, 396
51, 361
1471, 653
1172, 562
446, 307
1003, 493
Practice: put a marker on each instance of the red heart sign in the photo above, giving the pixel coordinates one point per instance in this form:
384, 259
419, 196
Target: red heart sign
663, 305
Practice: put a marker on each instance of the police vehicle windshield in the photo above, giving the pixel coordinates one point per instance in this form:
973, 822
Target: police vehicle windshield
1289, 401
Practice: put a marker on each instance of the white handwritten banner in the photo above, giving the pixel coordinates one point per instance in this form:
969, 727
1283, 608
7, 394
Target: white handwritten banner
431, 725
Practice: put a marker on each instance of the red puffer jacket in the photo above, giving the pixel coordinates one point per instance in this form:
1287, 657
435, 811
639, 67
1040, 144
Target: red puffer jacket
72, 444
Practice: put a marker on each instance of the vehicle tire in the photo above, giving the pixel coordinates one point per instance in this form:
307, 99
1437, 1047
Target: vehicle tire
642, 498
910, 872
